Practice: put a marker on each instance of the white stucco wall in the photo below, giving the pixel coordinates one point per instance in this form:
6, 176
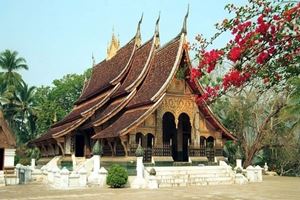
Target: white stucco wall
9, 157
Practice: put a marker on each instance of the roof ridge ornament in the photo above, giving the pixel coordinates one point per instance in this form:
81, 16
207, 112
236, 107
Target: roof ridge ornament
93, 60
184, 26
138, 38
113, 46
156, 33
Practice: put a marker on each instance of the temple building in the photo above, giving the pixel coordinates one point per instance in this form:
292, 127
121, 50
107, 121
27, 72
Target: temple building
7, 145
140, 94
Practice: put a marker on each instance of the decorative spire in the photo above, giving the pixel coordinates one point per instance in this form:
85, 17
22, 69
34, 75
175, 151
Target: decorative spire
157, 24
138, 38
113, 46
184, 29
156, 34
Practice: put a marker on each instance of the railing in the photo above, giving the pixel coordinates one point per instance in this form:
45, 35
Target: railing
197, 152
218, 152
165, 150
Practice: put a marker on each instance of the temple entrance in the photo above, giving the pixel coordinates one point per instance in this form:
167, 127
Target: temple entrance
170, 133
148, 147
183, 137
79, 146
1, 158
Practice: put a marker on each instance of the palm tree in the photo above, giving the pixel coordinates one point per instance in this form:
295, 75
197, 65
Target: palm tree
10, 63
22, 111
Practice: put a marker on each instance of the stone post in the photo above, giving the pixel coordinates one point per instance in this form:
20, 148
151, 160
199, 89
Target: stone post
239, 163
102, 177
64, 175
82, 177
32, 166
73, 161
139, 181
96, 164
258, 173
139, 167
250, 174
266, 167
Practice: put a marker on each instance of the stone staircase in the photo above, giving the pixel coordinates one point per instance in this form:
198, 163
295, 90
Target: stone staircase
192, 175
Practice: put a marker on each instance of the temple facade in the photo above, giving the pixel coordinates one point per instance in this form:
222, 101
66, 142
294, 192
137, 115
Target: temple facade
140, 94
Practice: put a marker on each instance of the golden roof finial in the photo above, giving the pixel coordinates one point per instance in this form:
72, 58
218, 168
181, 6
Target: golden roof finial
113, 46
156, 34
184, 26
138, 38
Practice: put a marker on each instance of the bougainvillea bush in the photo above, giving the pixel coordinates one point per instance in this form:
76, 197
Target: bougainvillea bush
264, 49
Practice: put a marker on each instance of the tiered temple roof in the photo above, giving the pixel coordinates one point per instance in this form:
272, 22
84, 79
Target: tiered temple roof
7, 138
126, 88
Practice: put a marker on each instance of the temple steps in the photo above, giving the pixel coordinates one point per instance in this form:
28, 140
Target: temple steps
193, 175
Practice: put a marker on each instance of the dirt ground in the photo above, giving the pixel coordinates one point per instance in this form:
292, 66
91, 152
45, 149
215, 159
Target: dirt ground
282, 188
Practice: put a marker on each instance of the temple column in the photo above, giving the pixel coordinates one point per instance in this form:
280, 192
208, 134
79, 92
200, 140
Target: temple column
124, 142
158, 129
111, 146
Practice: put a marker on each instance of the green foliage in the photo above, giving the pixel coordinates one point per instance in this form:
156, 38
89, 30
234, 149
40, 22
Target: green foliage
117, 176
57, 101
34, 153
10, 63
97, 148
23, 155
181, 73
139, 152
230, 149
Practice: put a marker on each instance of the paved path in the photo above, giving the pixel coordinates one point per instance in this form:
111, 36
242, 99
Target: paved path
283, 188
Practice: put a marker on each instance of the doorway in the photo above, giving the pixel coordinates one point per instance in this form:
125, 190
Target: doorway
1, 159
79, 146
183, 137
170, 133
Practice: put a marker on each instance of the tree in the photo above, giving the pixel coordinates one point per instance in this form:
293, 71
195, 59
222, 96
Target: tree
251, 118
55, 102
264, 50
263, 54
10, 63
20, 111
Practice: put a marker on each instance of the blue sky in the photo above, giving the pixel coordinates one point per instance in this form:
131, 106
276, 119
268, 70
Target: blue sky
58, 37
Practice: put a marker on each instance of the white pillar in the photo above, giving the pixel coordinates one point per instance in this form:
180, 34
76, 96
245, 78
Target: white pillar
32, 164
102, 177
239, 163
251, 174
9, 157
258, 173
96, 164
139, 167
73, 161
139, 181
